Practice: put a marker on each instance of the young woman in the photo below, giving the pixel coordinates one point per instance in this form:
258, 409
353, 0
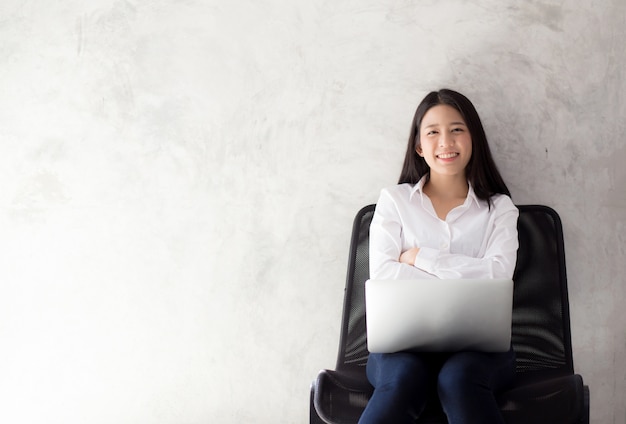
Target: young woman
450, 216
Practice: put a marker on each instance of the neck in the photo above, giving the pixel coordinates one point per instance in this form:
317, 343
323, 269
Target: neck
447, 186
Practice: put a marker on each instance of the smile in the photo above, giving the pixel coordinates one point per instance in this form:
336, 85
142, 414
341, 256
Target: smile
447, 155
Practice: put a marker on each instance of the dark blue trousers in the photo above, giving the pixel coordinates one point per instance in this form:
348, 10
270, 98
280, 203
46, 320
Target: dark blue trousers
465, 383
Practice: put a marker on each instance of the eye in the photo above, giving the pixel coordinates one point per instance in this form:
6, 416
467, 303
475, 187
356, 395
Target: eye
458, 130
432, 132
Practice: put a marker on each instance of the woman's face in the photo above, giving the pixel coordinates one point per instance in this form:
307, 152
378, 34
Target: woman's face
445, 141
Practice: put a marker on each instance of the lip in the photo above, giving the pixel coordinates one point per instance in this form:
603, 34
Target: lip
447, 155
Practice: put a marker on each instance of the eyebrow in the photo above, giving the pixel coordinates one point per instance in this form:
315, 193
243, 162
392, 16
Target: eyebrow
451, 123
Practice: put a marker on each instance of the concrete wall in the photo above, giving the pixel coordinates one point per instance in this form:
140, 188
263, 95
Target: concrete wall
178, 181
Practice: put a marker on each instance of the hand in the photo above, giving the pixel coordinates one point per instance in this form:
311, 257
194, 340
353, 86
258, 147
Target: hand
408, 257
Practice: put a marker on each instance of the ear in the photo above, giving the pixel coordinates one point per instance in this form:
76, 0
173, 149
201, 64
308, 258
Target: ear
418, 150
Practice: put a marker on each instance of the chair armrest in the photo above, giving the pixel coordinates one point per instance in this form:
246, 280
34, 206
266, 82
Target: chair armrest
558, 399
340, 396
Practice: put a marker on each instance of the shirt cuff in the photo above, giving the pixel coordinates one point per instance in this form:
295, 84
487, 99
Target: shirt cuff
426, 259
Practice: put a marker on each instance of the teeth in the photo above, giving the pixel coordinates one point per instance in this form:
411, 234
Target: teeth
447, 155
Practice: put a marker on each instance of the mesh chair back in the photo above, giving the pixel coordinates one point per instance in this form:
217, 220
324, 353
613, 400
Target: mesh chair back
541, 331
353, 342
540, 334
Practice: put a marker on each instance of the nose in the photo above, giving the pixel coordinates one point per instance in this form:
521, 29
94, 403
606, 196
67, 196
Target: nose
446, 139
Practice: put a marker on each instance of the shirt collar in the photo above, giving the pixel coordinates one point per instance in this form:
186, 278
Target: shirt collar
419, 189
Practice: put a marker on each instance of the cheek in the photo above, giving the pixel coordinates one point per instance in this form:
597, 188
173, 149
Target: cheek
426, 146
468, 145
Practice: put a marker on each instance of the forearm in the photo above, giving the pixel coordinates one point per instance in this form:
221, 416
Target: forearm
394, 270
447, 265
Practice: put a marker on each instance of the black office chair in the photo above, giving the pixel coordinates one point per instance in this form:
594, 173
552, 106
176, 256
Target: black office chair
546, 391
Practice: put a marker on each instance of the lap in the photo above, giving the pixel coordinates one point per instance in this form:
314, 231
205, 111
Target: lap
498, 368
400, 362
492, 370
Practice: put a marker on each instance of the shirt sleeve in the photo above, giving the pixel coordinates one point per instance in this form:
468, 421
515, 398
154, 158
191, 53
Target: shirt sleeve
386, 244
500, 254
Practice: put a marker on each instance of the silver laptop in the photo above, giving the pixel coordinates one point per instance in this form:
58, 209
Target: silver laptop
439, 315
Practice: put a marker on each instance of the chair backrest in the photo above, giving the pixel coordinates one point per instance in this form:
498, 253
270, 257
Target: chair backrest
541, 324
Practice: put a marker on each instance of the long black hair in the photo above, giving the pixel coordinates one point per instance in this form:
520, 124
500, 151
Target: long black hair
481, 171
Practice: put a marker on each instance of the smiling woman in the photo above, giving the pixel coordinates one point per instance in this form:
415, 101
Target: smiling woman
450, 216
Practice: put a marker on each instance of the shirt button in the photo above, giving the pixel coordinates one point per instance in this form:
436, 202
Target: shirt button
444, 246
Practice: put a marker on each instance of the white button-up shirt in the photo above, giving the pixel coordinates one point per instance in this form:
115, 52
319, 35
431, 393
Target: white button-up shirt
474, 241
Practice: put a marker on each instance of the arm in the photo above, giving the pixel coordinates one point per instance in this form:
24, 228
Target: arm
386, 244
500, 252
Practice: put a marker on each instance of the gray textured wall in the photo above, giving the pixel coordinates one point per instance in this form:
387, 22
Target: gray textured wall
179, 180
